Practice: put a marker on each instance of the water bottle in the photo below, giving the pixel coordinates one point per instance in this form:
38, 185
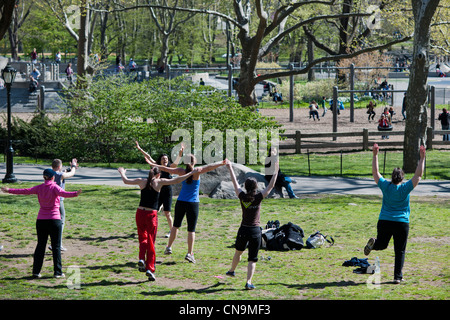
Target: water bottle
377, 265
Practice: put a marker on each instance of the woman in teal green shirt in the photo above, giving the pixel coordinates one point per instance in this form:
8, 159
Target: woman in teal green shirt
395, 210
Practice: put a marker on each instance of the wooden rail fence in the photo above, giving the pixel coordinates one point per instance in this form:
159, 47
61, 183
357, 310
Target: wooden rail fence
300, 142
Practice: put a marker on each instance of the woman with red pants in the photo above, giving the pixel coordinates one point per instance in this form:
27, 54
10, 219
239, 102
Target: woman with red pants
147, 215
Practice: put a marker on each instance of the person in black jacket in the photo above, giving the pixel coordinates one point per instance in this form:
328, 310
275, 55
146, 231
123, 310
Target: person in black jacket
444, 117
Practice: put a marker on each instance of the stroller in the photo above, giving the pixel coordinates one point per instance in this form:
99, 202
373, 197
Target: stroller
32, 88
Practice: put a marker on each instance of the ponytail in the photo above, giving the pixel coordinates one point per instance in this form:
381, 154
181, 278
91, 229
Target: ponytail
189, 168
151, 176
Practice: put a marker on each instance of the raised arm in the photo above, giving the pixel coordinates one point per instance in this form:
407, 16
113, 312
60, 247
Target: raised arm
237, 189
271, 184
177, 171
146, 155
211, 167
126, 180
375, 173
177, 179
71, 173
420, 167
179, 156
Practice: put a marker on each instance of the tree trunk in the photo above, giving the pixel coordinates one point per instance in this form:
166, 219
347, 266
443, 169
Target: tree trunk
416, 95
245, 87
311, 72
14, 41
6, 9
164, 52
103, 37
82, 54
246, 84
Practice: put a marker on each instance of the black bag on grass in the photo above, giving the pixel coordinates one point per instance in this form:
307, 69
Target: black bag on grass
287, 237
294, 236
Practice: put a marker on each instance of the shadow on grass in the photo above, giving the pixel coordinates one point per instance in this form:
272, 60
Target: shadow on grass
321, 285
17, 256
207, 290
102, 239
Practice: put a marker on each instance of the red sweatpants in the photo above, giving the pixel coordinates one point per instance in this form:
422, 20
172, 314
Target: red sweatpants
147, 225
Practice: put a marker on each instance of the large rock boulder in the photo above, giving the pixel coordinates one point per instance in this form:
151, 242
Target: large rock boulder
217, 183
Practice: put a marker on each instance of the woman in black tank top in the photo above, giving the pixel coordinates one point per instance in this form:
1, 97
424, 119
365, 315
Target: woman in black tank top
166, 195
146, 214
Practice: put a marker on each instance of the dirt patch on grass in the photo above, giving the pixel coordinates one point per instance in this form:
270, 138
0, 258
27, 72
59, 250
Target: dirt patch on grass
440, 240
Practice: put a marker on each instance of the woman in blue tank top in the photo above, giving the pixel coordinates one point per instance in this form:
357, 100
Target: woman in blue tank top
188, 203
393, 220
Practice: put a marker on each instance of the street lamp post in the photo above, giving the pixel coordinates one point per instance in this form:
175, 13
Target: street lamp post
8, 75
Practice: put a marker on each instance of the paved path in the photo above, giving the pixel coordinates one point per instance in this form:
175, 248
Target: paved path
303, 185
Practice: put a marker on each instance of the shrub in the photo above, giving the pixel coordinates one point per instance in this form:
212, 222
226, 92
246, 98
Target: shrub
311, 90
35, 139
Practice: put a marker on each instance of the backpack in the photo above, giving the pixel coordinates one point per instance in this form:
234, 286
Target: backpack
287, 237
317, 240
294, 236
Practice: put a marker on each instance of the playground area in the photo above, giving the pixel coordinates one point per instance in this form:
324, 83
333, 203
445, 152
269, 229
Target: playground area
306, 125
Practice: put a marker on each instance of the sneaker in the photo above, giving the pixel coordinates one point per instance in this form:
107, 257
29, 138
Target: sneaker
168, 250
62, 248
230, 273
369, 246
398, 281
36, 275
150, 275
190, 257
141, 266
249, 286
58, 276
167, 235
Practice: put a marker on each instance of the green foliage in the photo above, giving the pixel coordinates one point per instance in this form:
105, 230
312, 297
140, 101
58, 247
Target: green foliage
42, 30
36, 138
311, 90
106, 118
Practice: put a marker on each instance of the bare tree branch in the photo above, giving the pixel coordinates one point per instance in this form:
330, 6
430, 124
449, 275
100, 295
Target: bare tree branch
275, 40
193, 10
329, 58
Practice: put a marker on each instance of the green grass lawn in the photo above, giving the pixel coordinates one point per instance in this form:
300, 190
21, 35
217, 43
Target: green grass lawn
102, 243
359, 164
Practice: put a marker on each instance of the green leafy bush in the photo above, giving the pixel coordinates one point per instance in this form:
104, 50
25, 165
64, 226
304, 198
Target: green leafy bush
35, 139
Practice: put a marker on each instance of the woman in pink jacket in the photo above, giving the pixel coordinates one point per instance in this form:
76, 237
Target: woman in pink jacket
48, 221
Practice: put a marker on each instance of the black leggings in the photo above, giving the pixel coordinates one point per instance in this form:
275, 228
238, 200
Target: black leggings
190, 209
399, 230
